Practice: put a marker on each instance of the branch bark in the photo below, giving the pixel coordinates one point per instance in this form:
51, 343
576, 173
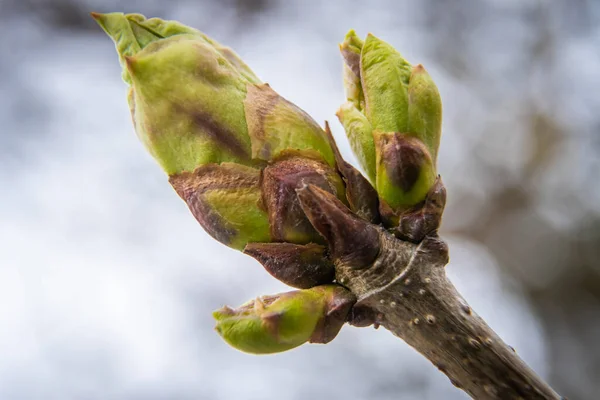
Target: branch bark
406, 291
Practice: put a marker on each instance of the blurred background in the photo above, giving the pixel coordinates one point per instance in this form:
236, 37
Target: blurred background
107, 283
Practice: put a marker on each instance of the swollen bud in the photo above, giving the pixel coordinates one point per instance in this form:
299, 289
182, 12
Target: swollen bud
273, 324
213, 127
201, 122
395, 132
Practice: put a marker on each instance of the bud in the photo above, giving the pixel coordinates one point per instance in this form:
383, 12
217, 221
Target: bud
273, 324
213, 127
392, 119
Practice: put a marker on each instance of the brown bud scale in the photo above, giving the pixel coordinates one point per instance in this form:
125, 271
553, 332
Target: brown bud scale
279, 183
299, 266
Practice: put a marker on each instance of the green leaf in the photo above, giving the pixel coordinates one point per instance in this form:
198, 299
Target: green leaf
385, 75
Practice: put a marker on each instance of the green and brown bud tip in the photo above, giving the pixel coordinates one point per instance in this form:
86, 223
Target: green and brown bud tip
424, 110
351, 49
133, 32
201, 122
279, 183
352, 241
299, 266
405, 170
226, 201
118, 27
276, 125
273, 324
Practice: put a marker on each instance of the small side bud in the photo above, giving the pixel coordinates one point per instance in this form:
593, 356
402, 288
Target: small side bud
351, 240
225, 199
362, 316
273, 324
299, 266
